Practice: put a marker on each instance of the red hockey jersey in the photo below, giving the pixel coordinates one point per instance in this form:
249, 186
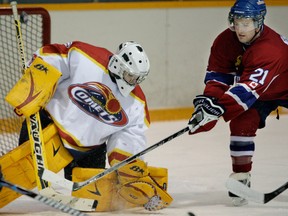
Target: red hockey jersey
239, 74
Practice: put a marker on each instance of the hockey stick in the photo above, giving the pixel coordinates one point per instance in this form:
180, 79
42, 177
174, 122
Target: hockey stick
43, 199
33, 122
74, 186
81, 204
245, 192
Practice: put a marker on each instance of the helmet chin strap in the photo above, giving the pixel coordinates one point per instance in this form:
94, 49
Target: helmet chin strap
255, 35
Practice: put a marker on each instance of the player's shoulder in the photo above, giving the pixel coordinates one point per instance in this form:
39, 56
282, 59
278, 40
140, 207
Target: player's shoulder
226, 36
98, 53
90, 48
138, 93
270, 43
64, 48
226, 40
139, 96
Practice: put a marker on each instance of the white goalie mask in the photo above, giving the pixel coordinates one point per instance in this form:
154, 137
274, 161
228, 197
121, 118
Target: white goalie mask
129, 65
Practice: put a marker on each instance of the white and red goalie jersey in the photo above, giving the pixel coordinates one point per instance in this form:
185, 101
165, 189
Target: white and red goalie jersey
87, 106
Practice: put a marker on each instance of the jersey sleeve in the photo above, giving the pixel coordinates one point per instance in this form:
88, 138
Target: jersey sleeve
132, 139
128, 141
223, 64
59, 55
56, 55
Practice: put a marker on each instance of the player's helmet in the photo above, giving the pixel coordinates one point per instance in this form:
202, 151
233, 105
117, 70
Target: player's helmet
255, 9
129, 65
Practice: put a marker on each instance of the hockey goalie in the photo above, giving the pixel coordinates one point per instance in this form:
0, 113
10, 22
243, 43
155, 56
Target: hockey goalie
93, 114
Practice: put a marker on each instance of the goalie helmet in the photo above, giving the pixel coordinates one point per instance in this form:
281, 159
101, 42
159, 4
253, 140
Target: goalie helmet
254, 9
129, 65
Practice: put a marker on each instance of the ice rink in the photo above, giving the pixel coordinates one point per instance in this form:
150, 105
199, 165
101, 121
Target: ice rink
198, 168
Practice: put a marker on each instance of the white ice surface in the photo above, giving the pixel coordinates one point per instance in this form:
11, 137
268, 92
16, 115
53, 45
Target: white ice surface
198, 168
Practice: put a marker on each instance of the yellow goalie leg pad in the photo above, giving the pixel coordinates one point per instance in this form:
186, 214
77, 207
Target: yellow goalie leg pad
34, 89
139, 188
17, 165
102, 190
145, 192
105, 190
160, 175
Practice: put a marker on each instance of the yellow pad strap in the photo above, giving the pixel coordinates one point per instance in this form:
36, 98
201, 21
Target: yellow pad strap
160, 176
35, 88
132, 171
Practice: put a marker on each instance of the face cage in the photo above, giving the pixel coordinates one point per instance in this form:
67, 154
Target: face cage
258, 20
126, 74
129, 77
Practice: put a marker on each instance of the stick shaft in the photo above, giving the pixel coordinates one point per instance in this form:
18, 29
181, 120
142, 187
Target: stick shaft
74, 186
17, 23
270, 196
43, 199
33, 122
79, 185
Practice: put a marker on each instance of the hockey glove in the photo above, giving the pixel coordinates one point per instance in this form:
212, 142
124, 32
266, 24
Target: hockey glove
206, 115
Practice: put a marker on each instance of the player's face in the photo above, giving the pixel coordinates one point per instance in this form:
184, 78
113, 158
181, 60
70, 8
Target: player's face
245, 29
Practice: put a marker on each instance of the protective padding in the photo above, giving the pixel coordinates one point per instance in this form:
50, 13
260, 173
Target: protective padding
17, 165
160, 176
138, 192
137, 187
105, 190
132, 171
35, 88
141, 191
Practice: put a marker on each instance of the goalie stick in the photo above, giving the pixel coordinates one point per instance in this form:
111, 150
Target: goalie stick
245, 192
74, 186
43, 199
33, 122
81, 204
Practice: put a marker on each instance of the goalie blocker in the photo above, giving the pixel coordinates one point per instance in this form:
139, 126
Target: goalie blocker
17, 167
35, 88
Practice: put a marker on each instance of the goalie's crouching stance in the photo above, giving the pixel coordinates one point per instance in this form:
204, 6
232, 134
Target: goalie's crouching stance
91, 100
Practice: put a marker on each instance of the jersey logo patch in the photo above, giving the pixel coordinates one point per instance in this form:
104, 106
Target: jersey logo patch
97, 100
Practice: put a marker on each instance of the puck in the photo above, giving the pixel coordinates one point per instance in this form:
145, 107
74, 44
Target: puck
191, 214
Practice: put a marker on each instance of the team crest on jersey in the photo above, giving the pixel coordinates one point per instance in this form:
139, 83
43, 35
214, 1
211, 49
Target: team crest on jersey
97, 100
238, 61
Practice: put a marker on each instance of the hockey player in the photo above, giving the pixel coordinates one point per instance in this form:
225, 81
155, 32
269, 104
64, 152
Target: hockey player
99, 109
245, 81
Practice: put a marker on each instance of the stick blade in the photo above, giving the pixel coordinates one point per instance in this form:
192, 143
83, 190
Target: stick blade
81, 204
245, 192
57, 179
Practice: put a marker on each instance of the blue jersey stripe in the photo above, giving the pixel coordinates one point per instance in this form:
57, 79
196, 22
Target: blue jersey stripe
246, 97
227, 79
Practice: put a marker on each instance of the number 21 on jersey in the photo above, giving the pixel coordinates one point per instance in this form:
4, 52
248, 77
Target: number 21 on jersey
258, 77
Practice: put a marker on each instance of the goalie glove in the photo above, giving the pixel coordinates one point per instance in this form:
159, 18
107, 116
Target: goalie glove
206, 115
